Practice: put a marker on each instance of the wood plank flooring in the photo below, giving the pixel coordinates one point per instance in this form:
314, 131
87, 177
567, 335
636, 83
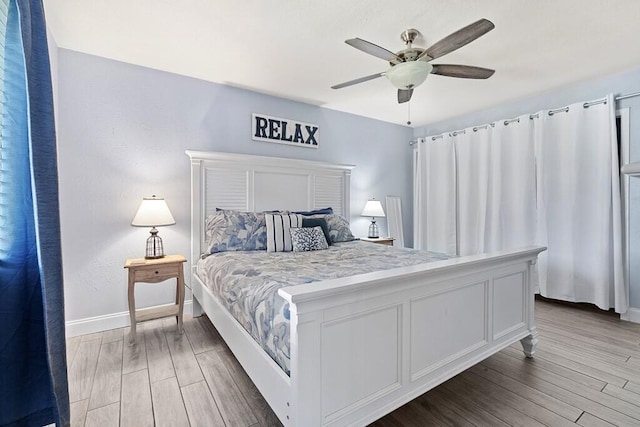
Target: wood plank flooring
586, 372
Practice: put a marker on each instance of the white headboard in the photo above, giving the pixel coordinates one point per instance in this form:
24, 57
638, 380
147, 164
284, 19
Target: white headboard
257, 183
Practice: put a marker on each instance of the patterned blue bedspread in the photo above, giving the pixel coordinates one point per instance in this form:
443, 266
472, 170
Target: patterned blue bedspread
247, 283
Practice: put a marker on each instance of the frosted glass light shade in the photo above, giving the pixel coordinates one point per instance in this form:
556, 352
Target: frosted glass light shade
153, 212
373, 208
406, 75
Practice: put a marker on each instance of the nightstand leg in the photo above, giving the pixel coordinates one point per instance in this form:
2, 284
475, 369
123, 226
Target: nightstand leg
180, 297
132, 309
177, 296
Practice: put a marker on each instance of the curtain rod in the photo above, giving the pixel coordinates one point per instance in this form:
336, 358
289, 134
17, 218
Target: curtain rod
535, 116
629, 95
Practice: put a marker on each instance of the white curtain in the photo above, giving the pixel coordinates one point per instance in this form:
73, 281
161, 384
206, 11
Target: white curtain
511, 208
475, 189
473, 163
552, 180
435, 195
579, 199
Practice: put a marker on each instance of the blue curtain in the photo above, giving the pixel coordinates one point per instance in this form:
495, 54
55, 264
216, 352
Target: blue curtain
33, 374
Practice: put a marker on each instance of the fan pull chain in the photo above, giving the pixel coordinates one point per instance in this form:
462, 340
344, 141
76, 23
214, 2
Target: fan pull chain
409, 113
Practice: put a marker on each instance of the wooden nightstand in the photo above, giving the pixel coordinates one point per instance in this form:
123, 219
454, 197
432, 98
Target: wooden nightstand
154, 271
380, 240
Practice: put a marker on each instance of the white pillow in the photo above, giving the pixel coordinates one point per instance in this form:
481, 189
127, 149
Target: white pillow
278, 231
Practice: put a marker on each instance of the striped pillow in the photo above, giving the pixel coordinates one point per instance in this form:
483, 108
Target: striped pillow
278, 231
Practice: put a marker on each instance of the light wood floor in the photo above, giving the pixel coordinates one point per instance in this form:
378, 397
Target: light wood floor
586, 372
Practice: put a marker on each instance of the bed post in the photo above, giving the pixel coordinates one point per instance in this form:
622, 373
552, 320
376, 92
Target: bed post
306, 381
196, 211
530, 342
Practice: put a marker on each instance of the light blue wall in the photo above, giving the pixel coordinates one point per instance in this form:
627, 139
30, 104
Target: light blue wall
123, 130
628, 82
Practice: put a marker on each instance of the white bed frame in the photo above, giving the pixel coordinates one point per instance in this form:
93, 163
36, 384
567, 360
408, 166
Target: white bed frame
361, 346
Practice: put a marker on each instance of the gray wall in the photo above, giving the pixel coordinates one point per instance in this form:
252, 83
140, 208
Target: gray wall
628, 82
122, 133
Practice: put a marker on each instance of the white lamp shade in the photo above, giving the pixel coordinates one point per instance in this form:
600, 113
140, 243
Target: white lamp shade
373, 208
153, 212
406, 75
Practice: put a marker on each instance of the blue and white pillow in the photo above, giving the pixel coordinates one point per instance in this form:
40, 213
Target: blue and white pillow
228, 230
278, 234
338, 228
308, 239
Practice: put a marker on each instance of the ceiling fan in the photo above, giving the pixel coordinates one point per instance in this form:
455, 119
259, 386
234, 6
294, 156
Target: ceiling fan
411, 66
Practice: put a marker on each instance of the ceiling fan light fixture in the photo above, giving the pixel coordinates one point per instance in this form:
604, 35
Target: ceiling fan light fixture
406, 75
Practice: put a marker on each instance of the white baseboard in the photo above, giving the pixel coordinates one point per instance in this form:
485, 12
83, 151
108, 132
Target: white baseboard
106, 322
632, 315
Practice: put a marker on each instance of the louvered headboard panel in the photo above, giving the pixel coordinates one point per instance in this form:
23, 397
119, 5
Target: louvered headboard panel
330, 191
225, 189
256, 183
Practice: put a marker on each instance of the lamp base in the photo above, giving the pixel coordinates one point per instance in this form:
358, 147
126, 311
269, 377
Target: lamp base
373, 230
154, 246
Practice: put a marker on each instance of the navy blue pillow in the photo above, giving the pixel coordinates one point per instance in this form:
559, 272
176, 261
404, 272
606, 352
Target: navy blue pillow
318, 222
271, 212
325, 211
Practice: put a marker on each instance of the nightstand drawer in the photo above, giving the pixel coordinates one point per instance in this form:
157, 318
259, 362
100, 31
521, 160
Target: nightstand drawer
156, 273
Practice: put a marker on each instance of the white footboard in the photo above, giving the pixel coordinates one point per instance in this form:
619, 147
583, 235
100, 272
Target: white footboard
363, 346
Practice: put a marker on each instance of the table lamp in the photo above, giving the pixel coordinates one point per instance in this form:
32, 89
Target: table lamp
373, 208
153, 212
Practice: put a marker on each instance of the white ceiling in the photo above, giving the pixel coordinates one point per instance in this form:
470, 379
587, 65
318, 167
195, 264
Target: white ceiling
295, 48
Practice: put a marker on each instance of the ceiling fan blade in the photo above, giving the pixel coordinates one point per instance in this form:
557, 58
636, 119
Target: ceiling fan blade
404, 95
373, 49
458, 39
462, 71
356, 81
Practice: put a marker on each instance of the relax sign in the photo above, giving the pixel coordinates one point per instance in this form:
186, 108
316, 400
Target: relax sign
284, 131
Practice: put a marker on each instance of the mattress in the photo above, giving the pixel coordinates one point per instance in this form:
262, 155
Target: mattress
247, 282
